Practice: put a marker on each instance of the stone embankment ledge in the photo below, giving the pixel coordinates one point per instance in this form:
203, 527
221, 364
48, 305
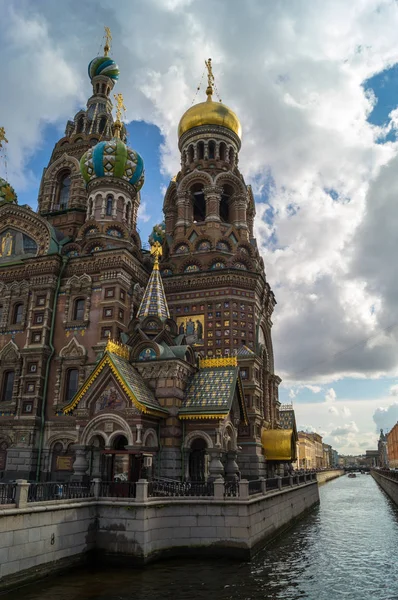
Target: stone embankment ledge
323, 476
388, 481
43, 537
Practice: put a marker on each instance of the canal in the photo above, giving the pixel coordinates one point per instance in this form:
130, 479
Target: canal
345, 549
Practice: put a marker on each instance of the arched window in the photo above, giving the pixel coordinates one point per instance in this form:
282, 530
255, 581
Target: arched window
8, 386
190, 154
72, 384
80, 124
128, 212
18, 314
212, 149
199, 203
64, 191
201, 150
102, 124
223, 149
224, 204
109, 206
78, 310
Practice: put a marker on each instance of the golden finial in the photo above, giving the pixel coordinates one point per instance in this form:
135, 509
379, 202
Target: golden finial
119, 108
210, 79
156, 252
3, 137
108, 40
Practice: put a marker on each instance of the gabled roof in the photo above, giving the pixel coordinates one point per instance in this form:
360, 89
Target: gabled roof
244, 351
116, 358
211, 391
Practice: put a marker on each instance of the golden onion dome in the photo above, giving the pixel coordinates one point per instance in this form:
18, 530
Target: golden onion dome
209, 112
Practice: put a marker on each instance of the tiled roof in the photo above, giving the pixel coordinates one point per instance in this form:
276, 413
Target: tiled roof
211, 391
245, 351
154, 303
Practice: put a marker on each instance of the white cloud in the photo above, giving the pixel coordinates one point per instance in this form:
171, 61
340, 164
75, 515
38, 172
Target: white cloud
344, 430
315, 389
333, 410
386, 417
345, 411
394, 390
330, 395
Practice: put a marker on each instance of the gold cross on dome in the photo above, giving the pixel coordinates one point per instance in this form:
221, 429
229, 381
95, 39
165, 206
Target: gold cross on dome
156, 252
3, 137
210, 77
119, 106
108, 40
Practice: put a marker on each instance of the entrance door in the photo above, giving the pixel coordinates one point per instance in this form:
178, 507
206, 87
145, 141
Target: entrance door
197, 460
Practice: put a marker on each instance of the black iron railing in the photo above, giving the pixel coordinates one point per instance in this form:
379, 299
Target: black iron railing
231, 489
170, 488
387, 473
40, 492
272, 483
286, 481
118, 489
255, 487
7, 493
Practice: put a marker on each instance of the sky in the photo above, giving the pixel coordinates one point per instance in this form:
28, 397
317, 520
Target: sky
315, 85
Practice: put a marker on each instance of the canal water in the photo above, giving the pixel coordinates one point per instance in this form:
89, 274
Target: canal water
345, 549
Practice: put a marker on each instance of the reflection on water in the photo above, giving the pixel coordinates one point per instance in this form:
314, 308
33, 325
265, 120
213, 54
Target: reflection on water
345, 549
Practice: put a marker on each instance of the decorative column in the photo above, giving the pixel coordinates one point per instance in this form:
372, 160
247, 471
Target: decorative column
213, 199
231, 469
139, 434
187, 453
216, 469
80, 465
239, 203
182, 220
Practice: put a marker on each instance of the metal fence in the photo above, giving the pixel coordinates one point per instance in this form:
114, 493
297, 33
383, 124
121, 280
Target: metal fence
40, 492
255, 487
231, 489
118, 489
388, 473
168, 488
272, 483
7, 493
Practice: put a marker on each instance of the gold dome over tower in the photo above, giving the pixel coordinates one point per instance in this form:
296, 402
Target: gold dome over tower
209, 112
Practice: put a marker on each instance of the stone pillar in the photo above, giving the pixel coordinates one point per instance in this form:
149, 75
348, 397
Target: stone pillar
243, 489
96, 487
142, 490
187, 453
239, 203
181, 204
291, 480
80, 465
21, 493
279, 478
213, 199
139, 434
216, 469
231, 468
263, 484
219, 489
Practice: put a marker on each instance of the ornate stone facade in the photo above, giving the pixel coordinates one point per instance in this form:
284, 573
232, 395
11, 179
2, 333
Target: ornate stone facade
74, 276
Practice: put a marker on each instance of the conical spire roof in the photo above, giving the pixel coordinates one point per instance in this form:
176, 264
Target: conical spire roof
154, 303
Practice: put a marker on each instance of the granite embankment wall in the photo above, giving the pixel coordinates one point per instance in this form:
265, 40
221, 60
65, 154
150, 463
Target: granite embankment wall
48, 536
43, 537
388, 483
324, 476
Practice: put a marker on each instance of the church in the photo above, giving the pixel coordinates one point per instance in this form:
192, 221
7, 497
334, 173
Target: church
119, 362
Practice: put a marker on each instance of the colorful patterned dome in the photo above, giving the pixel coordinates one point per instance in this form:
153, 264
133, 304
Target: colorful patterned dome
103, 65
7, 193
113, 159
158, 234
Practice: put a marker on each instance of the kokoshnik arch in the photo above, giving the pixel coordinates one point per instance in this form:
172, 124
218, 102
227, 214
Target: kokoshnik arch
117, 362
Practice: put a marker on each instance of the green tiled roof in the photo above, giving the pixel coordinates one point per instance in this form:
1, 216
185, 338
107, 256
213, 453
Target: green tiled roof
211, 390
154, 303
135, 383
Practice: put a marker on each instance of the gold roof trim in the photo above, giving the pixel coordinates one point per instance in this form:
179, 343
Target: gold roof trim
201, 416
278, 444
118, 348
107, 360
225, 361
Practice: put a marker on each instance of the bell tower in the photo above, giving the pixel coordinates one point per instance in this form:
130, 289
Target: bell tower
212, 271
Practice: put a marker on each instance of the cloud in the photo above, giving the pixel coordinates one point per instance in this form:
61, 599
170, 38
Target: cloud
394, 390
386, 417
345, 411
345, 430
330, 395
307, 148
333, 410
315, 389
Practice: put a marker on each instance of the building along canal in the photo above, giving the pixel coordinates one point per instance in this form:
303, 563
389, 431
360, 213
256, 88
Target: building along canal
344, 549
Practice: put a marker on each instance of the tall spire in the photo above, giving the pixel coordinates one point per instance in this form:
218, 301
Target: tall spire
119, 108
154, 303
108, 40
210, 79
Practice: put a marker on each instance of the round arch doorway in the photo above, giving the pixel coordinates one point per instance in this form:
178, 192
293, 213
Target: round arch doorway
198, 460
